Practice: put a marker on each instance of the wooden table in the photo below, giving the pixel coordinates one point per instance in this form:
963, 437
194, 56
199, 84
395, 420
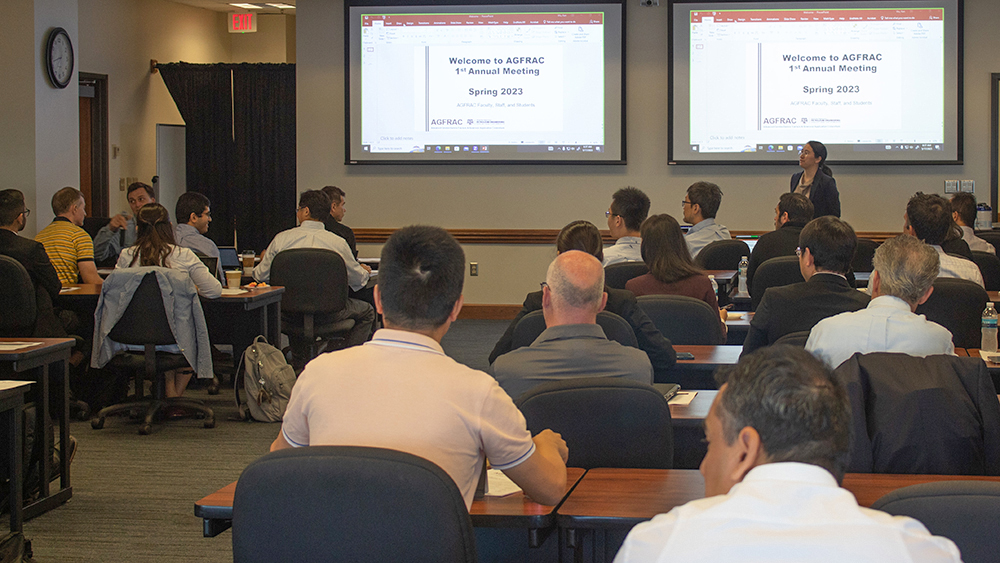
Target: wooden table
47, 365
11, 407
737, 327
697, 373
689, 433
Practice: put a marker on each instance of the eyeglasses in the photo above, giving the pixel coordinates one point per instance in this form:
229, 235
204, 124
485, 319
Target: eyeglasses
798, 251
543, 285
26, 212
608, 214
686, 202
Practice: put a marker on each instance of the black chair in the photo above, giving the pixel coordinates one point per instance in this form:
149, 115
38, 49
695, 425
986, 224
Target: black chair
533, 324
682, 319
774, 272
958, 306
989, 266
145, 324
722, 255
17, 300
340, 503
798, 338
94, 224
966, 512
863, 255
605, 422
617, 275
992, 237
315, 282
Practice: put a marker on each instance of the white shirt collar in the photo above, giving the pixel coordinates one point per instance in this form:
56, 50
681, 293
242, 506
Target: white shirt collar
889, 301
395, 338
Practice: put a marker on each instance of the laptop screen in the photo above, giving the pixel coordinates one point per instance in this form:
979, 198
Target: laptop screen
228, 258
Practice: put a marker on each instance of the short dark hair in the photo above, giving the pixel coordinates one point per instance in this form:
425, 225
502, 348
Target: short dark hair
317, 202
831, 241
334, 193
140, 185
420, 277
11, 205
708, 196
796, 404
631, 205
65, 199
930, 217
188, 203
964, 204
798, 207
581, 235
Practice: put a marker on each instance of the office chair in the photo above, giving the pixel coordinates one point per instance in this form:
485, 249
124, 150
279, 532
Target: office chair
340, 503
774, 272
992, 237
17, 300
958, 306
605, 422
798, 338
722, 255
617, 275
682, 319
989, 266
533, 324
863, 255
966, 512
315, 281
145, 323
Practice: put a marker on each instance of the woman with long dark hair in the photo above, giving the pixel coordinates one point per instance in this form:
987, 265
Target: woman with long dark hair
816, 180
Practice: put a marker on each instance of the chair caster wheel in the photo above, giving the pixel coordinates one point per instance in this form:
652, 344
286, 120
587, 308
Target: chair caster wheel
97, 423
209, 423
213, 389
145, 429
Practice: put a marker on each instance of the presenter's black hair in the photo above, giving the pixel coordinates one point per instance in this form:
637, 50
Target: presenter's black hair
420, 277
819, 149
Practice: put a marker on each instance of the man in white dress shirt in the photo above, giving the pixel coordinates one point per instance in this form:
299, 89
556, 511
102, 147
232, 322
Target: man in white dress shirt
778, 439
928, 217
700, 205
629, 208
963, 211
905, 270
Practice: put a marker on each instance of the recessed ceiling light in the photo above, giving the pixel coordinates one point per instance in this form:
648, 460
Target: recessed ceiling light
246, 6
281, 6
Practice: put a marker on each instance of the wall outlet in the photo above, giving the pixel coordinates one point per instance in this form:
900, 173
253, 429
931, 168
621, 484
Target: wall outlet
968, 186
649, 3
951, 186
473, 268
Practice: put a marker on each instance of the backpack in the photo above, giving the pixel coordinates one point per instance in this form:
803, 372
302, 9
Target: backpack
267, 381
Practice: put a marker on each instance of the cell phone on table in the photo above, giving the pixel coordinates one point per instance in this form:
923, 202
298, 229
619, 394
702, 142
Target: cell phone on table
685, 356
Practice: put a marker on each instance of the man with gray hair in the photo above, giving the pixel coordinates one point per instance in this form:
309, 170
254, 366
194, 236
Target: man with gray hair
572, 345
903, 277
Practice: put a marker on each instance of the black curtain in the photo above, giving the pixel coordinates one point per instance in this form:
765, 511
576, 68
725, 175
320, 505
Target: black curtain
246, 167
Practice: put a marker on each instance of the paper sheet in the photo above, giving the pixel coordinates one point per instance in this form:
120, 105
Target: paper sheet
68, 289
682, 398
499, 485
227, 291
6, 384
987, 355
11, 346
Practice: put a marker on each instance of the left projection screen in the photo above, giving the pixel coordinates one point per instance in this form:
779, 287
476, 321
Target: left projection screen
485, 83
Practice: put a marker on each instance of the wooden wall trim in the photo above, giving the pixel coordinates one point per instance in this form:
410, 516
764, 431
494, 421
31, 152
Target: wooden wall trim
544, 236
489, 312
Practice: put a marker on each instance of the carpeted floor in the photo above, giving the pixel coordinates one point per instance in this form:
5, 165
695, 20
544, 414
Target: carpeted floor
133, 496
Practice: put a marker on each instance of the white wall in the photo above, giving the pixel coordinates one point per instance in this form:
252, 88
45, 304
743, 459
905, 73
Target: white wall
269, 44
873, 197
18, 57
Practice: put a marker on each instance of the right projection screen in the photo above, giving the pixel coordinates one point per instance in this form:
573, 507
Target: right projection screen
876, 82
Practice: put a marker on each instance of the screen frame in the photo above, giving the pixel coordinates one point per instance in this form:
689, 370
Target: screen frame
349, 4
959, 93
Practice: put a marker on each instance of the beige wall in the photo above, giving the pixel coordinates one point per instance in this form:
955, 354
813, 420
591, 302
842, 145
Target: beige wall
269, 44
873, 197
18, 59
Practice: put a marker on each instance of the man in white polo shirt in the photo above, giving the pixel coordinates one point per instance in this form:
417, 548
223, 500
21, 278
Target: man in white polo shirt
400, 391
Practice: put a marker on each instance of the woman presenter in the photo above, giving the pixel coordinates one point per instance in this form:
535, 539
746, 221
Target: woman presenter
816, 180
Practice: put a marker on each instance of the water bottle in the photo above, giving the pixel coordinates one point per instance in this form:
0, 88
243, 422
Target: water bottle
984, 217
744, 265
989, 329
715, 286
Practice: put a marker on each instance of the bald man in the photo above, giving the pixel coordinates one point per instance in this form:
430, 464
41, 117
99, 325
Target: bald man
572, 345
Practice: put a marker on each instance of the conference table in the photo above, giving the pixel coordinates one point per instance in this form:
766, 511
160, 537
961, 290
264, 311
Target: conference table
11, 407
697, 373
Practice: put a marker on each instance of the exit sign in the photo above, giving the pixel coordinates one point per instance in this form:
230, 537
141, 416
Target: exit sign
242, 23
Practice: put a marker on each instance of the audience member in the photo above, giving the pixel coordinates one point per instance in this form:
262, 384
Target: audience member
572, 344
400, 390
583, 235
699, 207
629, 208
928, 217
790, 216
193, 214
963, 212
903, 278
826, 248
120, 232
69, 247
313, 206
338, 208
778, 438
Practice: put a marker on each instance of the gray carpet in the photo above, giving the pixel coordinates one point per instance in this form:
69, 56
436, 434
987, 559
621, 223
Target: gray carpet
133, 496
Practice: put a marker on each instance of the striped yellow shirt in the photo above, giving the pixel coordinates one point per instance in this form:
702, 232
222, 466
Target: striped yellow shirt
66, 244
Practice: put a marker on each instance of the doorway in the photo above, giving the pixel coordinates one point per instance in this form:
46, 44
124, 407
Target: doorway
94, 142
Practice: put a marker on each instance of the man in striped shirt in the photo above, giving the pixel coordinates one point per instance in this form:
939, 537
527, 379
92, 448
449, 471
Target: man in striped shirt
69, 247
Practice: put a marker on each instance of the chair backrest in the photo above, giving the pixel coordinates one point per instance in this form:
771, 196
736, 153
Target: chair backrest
958, 306
722, 255
992, 237
17, 300
533, 324
616, 275
798, 338
94, 224
605, 422
966, 512
340, 503
989, 266
315, 280
774, 272
145, 319
863, 255
682, 319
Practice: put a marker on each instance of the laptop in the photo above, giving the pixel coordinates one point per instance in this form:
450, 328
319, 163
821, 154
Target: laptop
229, 259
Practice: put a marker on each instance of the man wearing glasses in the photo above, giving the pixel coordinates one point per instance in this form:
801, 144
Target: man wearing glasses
699, 208
193, 213
629, 208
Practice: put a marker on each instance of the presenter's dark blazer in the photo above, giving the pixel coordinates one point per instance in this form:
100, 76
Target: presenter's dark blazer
622, 303
823, 194
799, 306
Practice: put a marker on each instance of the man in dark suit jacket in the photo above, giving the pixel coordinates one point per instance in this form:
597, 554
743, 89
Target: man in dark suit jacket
827, 246
332, 222
791, 214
